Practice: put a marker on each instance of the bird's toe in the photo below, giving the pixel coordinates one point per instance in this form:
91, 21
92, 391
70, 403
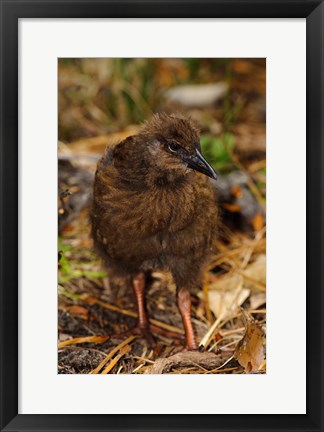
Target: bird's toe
147, 335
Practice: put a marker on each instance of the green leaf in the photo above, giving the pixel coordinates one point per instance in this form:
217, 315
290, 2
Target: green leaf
218, 150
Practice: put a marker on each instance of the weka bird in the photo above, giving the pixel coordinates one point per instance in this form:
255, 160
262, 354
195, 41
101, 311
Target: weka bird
153, 210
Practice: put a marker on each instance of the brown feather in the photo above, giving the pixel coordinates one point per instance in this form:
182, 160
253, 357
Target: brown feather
150, 211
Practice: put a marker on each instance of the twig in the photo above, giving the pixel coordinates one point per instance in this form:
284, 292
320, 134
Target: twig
144, 359
220, 367
229, 344
257, 238
249, 180
207, 307
210, 333
112, 353
86, 339
215, 371
256, 166
114, 361
257, 283
256, 311
208, 336
232, 331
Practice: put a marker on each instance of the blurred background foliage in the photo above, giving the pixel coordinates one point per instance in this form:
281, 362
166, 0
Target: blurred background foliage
103, 96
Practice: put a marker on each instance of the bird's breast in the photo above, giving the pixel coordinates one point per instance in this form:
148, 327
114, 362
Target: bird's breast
151, 211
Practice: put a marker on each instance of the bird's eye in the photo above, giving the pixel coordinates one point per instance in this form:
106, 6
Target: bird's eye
173, 146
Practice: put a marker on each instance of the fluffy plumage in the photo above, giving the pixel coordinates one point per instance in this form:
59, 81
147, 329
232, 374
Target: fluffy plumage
151, 210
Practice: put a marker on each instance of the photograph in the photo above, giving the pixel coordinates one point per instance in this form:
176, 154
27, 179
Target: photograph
161, 216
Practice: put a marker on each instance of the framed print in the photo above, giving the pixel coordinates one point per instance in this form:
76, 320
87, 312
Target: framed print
161, 221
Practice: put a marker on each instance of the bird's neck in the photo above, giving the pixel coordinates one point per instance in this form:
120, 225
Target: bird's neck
146, 173
166, 178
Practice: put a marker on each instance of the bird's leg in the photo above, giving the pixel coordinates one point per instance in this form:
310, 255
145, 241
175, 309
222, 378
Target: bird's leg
139, 282
184, 305
143, 327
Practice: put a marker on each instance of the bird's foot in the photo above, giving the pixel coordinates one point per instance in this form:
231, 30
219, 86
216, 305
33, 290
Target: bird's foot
191, 343
146, 333
191, 347
143, 331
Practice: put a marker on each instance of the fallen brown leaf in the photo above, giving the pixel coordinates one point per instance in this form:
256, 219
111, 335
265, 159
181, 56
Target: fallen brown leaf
226, 294
255, 274
257, 300
78, 311
250, 351
224, 303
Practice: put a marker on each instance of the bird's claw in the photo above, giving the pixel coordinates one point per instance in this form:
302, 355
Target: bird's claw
191, 346
145, 332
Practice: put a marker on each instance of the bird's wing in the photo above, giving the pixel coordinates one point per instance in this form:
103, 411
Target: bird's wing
116, 152
107, 157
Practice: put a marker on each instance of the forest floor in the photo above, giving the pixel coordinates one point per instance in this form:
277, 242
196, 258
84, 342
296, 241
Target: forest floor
229, 312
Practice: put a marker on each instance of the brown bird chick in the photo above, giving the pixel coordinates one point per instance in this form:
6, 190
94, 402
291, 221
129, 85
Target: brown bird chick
154, 209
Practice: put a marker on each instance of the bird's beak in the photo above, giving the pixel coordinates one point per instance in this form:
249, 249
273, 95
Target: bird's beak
199, 163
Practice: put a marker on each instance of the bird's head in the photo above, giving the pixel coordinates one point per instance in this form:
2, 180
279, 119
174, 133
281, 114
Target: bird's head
173, 143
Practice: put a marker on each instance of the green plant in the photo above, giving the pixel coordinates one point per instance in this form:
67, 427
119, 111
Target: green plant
69, 269
218, 150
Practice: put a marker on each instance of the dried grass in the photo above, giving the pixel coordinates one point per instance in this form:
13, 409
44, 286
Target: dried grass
90, 307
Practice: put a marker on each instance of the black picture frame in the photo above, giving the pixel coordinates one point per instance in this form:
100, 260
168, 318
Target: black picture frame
11, 12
